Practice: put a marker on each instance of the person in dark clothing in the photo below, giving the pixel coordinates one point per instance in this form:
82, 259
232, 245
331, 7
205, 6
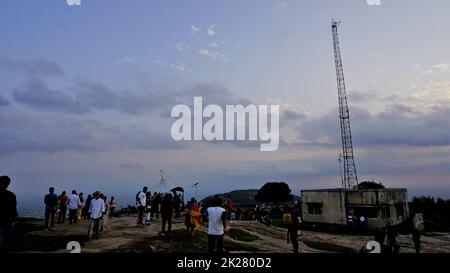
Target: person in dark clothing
176, 205
392, 239
166, 213
8, 211
51, 201
87, 205
416, 239
292, 233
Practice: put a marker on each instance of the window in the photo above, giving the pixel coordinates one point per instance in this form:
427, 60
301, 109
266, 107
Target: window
315, 208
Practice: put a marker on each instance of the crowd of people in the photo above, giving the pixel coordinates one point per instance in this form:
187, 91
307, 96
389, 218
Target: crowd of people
96, 209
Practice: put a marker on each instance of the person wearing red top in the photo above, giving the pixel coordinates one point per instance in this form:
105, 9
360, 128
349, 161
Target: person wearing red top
62, 200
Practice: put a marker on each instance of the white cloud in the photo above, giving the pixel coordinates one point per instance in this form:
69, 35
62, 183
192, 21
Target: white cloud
443, 68
211, 30
180, 46
179, 67
213, 45
374, 2
195, 29
211, 54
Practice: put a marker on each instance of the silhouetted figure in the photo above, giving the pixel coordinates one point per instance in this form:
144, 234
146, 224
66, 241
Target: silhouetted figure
392, 239
292, 233
51, 201
8, 211
62, 206
166, 213
112, 206
87, 205
416, 234
176, 205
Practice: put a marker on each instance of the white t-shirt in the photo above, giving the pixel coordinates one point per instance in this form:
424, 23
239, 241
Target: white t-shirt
215, 226
142, 199
73, 202
97, 208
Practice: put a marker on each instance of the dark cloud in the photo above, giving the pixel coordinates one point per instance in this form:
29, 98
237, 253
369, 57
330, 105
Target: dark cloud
292, 116
36, 94
399, 124
4, 101
23, 131
86, 96
363, 96
36, 67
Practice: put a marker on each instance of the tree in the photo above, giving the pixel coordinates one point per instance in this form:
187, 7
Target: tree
275, 192
370, 185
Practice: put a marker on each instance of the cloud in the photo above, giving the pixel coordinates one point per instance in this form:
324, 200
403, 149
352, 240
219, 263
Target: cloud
443, 68
4, 101
211, 54
180, 46
398, 125
213, 45
195, 29
211, 30
125, 60
36, 94
36, 67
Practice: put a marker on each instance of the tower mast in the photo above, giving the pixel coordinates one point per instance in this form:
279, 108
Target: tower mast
350, 177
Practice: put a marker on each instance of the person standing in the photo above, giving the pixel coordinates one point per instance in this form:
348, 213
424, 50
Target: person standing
80, 209
51, 201
104, 221
416, 239
166, 213
216, 226
73, 203
141, 200
112, 206
292, 233
62, 206
87, 205
96, 210
148, 208
8, 211
176, 204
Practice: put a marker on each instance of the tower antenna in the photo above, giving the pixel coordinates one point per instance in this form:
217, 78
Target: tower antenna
350, 177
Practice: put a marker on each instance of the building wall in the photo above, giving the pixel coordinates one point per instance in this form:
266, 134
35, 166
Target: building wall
337, 203
333, 208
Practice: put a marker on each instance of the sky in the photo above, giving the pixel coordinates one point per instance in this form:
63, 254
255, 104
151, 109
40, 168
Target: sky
86, 92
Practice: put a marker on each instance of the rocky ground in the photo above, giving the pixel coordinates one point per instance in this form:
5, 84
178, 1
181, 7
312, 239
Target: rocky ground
122, 235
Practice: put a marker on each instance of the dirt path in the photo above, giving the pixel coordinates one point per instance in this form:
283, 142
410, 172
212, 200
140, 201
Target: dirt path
122, 235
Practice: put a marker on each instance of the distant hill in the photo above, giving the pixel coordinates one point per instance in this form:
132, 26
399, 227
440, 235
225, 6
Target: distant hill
242, 197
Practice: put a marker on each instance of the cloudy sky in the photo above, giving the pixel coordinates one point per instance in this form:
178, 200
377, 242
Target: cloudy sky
86, 92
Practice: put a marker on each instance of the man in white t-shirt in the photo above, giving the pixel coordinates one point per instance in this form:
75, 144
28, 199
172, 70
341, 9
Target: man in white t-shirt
141, 201
73, 203
96, 210
216, 226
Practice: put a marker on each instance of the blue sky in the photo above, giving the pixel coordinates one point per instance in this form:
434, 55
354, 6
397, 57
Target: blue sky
86, 91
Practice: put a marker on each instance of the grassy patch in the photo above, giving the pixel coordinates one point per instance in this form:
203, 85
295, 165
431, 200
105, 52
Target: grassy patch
278, 222
179, 242
328, 247
241, 235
